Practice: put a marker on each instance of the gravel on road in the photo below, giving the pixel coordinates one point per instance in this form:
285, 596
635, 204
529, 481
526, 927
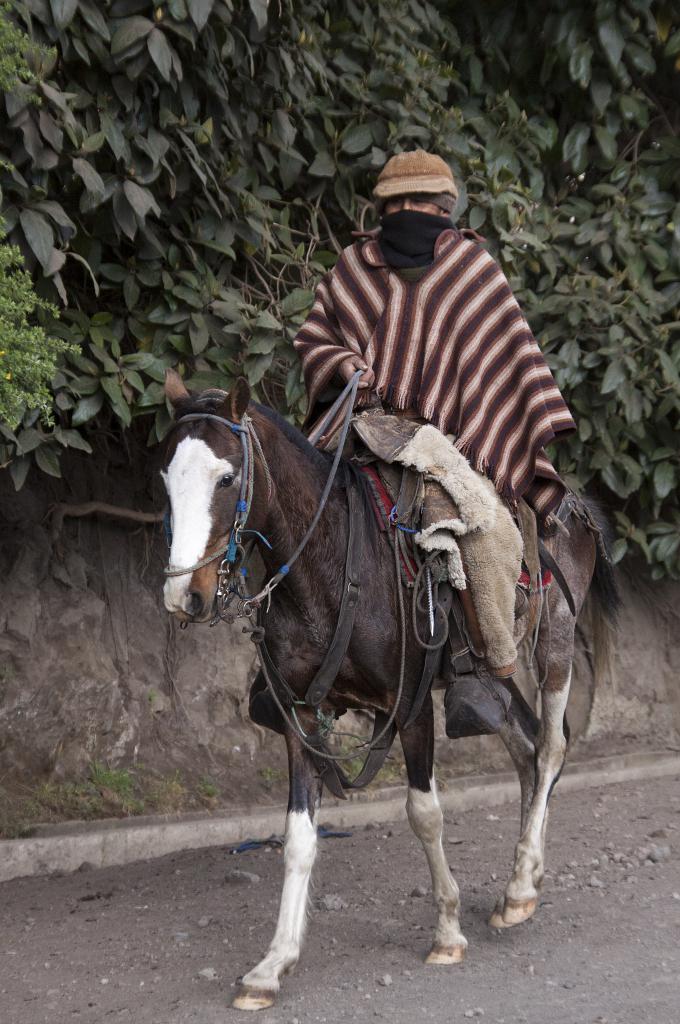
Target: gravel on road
163, 941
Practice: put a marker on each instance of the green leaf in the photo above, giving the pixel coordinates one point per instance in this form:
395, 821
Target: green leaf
356, 139
612, 40
256, 368
115, 395
670, 370
47, 459
18, 469
296, 301
93, 143
268, 322
619, 549
28, 440
160, 52
39, 235
140, 199
90, 178
200, 12
477, 217
72, 439
86, 408
259, 9
575, 146
673, 45
129, 32
580, 63
63, 11
322, 166
606, 142
614, 376
665, 479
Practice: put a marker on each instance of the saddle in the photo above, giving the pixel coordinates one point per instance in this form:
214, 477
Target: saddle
410, 501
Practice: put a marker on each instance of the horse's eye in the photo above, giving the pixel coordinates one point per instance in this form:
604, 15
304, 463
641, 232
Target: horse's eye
226, 481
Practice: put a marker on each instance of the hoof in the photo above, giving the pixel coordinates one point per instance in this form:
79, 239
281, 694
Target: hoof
446, 955
253, 998
512, 912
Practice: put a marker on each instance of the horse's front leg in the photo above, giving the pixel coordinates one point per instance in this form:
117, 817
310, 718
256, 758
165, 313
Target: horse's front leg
259, 986
426, 819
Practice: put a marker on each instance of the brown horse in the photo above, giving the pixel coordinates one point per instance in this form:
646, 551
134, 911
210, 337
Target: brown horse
202, 472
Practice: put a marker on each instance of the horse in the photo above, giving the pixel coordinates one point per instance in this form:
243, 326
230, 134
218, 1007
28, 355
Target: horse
203, 471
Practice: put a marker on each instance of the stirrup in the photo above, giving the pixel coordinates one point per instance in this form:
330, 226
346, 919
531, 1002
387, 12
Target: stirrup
476, 704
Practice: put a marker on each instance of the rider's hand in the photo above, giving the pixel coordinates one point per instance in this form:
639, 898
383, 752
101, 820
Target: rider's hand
348, 368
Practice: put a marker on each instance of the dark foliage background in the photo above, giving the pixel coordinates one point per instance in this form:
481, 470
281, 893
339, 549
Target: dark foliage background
194, 166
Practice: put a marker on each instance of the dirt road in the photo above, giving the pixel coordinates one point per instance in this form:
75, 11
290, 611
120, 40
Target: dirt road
162, 942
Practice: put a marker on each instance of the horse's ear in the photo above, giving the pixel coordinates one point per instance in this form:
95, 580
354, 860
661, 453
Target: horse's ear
238, 399
175, 389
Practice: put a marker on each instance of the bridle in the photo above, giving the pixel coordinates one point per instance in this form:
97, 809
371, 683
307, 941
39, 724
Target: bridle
233, 569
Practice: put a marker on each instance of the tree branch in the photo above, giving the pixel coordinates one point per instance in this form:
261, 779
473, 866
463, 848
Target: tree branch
89, 508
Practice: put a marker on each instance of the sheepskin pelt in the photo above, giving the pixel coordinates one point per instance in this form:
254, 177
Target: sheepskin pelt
430, 452
483, 546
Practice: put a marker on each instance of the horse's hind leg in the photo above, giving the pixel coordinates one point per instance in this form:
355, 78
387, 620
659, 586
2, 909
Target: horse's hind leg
259, 986
521, 894
426, 819
520, 736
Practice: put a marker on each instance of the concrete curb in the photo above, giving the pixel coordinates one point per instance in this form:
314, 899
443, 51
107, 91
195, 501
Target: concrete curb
64, 848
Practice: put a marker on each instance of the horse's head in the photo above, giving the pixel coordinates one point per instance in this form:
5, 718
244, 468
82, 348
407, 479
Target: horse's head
202, 475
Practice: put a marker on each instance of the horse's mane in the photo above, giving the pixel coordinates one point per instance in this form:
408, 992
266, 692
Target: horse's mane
319, 459
211, 401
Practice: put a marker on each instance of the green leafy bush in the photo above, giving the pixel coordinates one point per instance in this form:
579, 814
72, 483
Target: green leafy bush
194, 167
27, 356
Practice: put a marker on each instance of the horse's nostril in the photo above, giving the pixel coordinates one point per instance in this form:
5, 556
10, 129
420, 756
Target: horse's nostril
194, 603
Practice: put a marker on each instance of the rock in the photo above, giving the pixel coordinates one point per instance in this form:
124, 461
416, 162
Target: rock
659, 852
385, 981
330, 901
209, 973
419, 890
203, 922
238, 876
595, 883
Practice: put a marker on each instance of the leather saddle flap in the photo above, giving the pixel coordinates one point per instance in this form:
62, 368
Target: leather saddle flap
384, 435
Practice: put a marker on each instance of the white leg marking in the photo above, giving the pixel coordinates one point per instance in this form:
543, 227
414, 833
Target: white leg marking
426, 819
190, 481
299, 855
528, 869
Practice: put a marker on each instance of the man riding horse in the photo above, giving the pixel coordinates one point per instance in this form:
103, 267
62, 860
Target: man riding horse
428, 316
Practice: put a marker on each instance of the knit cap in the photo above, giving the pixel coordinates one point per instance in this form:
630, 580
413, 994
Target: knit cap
414, 172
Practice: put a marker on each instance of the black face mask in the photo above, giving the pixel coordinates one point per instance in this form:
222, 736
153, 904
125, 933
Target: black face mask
407, 237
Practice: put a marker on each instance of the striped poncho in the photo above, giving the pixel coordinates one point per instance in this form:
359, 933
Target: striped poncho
455, 346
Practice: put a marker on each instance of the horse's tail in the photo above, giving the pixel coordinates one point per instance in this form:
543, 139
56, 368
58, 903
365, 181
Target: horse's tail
604, 599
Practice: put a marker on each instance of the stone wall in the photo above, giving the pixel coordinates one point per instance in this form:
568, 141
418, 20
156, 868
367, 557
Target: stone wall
92, 668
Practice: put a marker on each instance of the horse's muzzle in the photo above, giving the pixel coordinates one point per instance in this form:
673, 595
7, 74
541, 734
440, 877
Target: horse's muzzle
189, 606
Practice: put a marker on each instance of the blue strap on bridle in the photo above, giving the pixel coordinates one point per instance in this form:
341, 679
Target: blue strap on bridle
167, 527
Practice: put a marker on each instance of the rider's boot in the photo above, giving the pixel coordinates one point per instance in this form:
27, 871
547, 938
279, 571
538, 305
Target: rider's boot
477, 703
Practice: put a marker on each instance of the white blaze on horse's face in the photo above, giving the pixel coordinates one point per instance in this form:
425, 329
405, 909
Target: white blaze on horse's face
190, 480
